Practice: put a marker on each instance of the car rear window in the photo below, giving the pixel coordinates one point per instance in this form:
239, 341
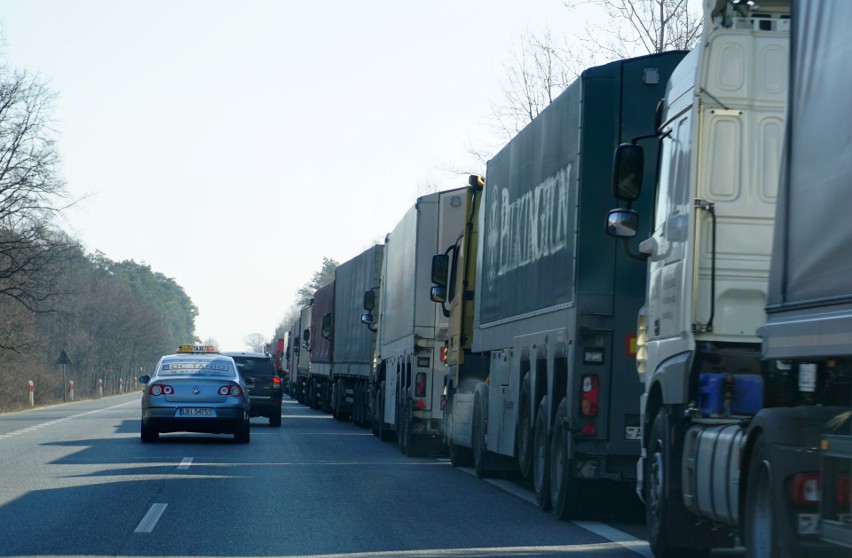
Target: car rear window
255, 366
196, 367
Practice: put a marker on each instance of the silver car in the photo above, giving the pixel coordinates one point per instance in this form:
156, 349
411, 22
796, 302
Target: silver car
195, 390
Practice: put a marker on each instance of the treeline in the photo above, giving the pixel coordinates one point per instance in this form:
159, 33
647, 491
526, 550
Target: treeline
113, 319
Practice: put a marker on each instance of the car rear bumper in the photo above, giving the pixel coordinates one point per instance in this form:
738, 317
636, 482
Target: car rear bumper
265, 406
226, 421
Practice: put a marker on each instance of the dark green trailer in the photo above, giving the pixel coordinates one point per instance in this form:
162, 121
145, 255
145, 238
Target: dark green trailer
556, 392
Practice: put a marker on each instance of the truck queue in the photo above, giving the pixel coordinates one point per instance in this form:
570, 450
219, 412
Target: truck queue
698, 344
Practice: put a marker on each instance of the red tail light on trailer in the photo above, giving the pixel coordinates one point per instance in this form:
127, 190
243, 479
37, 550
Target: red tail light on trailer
590, 395
420, 385
806, 489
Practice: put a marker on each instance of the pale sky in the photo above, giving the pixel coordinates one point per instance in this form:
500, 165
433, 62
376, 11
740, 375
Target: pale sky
231, 145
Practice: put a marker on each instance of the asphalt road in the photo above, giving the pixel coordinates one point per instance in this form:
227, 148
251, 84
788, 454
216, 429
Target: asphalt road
77, 481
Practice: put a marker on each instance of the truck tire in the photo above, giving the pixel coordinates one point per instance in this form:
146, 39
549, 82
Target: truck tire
312, 395
357, 417
385, 434
524, 429
375, 421
401, 424
565, 489
339, 397
659, 510
541, 457
366, 414
761, 526
480, 454
459, 456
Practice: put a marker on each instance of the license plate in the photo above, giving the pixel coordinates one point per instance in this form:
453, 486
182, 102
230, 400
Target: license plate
195, 412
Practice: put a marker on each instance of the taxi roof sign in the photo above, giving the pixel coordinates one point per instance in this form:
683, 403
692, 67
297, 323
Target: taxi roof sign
197, 349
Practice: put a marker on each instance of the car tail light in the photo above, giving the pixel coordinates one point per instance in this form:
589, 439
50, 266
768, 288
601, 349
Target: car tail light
276, 383
806, 489
233, 390
161, 389
420, 385
590, 395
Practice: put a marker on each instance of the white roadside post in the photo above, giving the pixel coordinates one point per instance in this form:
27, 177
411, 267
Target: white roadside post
31, 393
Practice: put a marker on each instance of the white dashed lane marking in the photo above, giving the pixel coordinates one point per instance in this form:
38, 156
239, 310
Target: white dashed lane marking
151, 518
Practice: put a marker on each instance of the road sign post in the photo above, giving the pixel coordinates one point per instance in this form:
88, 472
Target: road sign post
64, 360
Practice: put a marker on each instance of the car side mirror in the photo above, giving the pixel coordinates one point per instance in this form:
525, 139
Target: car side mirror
144, 379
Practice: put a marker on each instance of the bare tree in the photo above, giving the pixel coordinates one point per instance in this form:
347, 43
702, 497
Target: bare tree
256, 342
542, 66
539, 70
31, 192
636, 27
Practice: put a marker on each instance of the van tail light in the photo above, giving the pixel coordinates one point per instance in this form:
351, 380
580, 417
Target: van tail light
444, 353
590, 395
161, 389
420, 385
806, 489
233, 390
276, 383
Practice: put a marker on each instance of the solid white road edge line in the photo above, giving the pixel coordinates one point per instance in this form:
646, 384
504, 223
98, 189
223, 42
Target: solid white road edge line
151, 518
601, 529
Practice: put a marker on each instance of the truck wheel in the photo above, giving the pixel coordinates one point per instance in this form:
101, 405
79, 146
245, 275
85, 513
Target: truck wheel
541, 457
375, 420
148, 434
480, 453
357, 420
565, 489
659, 510
384, 431
401, 424
761, 533
366, 415
339, 397
459, 456
312, 395
524, 429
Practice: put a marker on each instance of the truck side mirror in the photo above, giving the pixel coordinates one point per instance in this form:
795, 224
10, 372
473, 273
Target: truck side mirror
369, 301
326, 325
438, 294
440, 268
622, 223
367, 318
306, 336
627, 172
